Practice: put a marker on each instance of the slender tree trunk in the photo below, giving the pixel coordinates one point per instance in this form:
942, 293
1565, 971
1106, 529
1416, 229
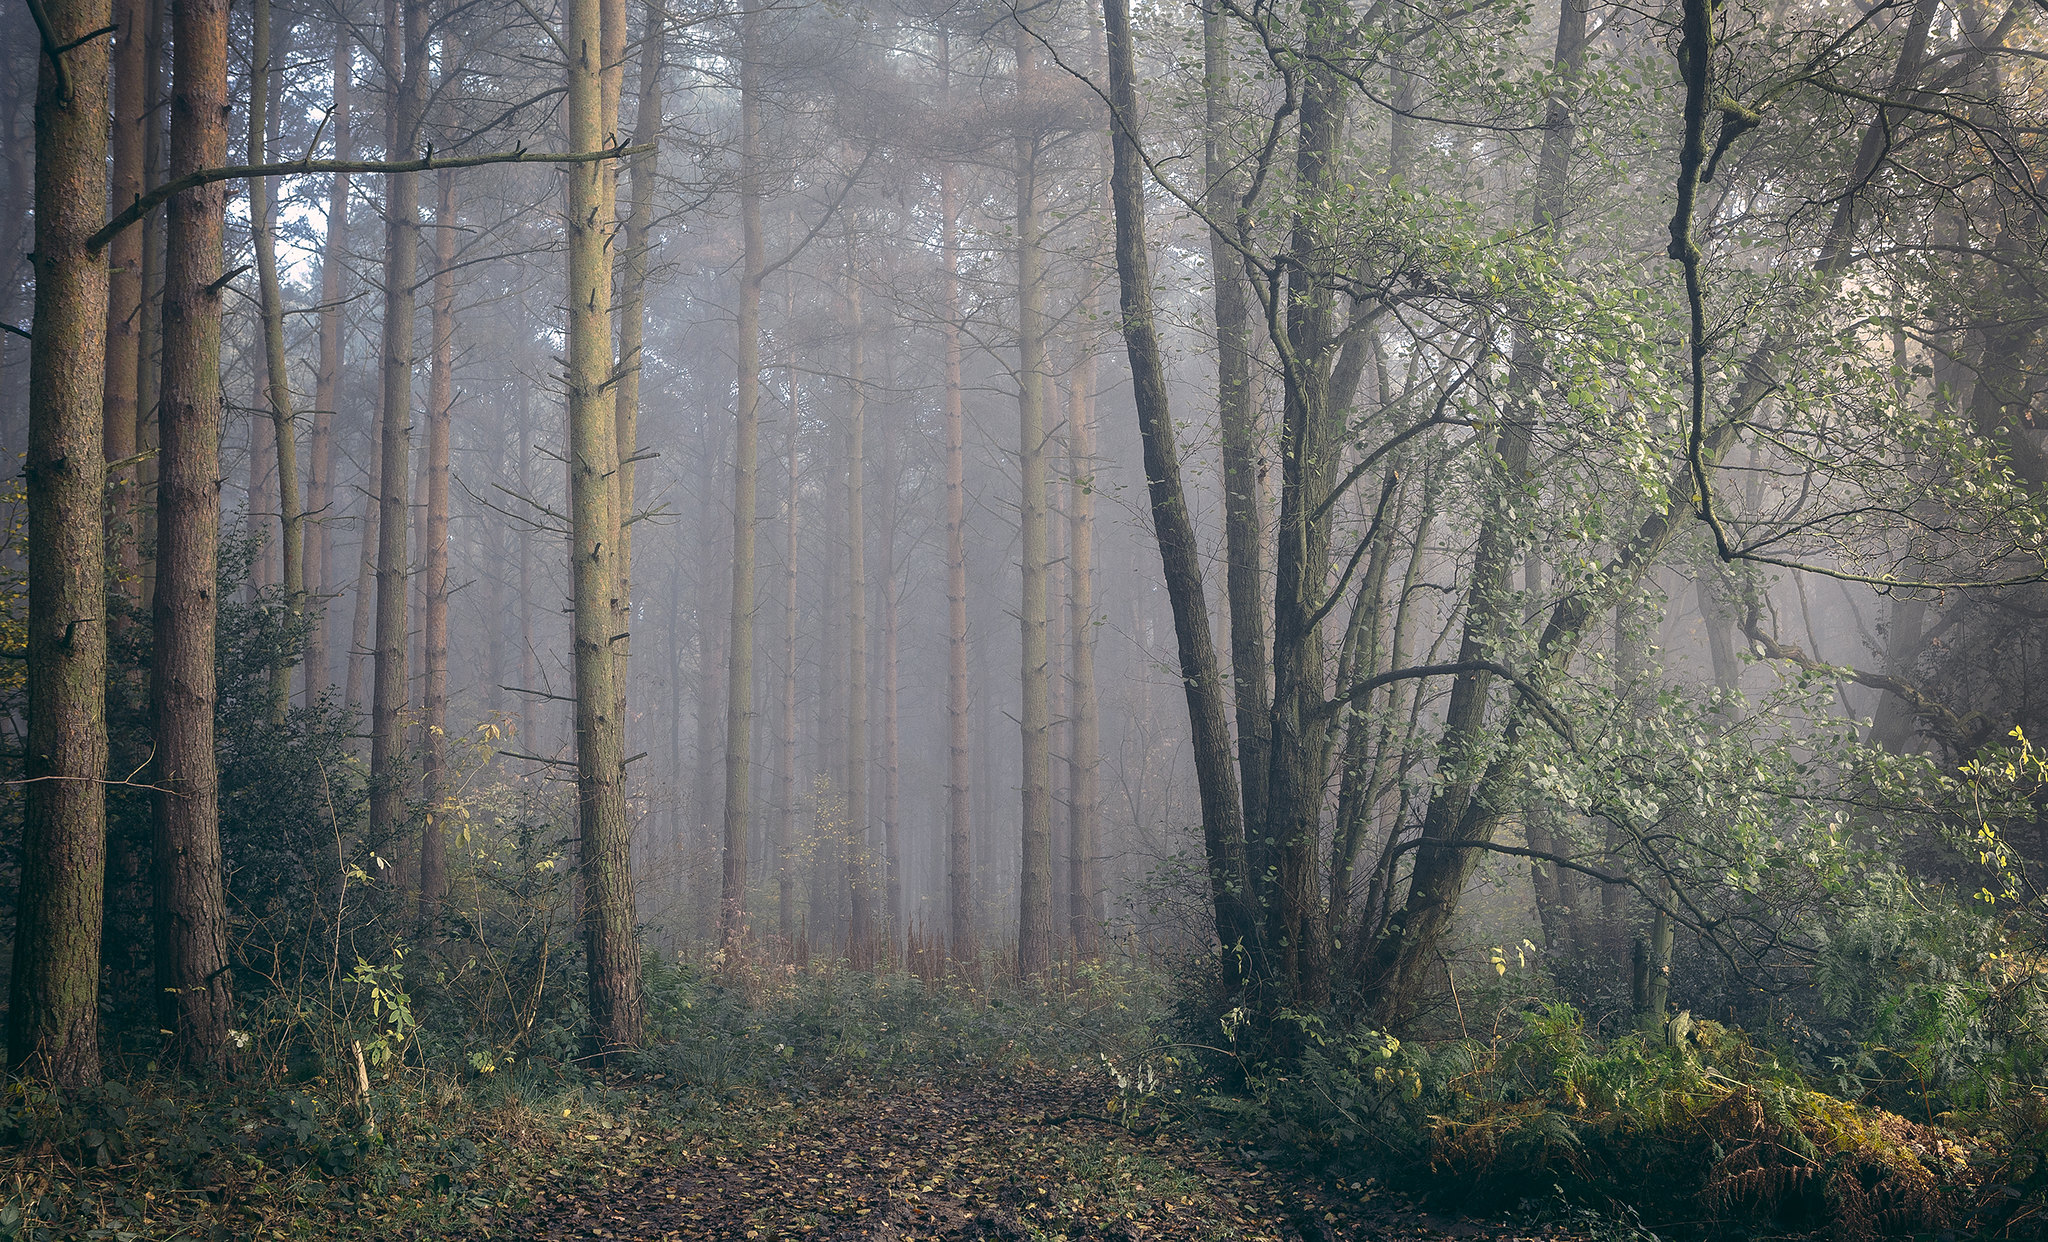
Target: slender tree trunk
365, 605
1179, 550
610, 941
284, 436
860, 897
434, 549
149, 342
892, 792
1244, 506
120, 392
1034, 929
407, 53
959, 754
327, 381
785, 819
739, 698
632, 298
192, 968
1083, 754
53, 1010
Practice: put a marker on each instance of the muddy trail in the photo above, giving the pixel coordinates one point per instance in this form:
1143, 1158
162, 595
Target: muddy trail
1033, 1157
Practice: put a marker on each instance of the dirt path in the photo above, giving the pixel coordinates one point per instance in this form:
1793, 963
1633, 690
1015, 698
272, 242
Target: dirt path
1023, 1158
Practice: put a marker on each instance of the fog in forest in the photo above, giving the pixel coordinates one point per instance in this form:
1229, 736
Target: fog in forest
1410, 582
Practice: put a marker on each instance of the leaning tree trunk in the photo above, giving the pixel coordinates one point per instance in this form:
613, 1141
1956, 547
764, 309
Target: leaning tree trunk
263, 224
739, 688
53, 1009
610, 942
192, 968
1034, 896
1179, 550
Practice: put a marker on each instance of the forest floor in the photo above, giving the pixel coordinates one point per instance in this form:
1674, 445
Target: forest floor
1031, 1155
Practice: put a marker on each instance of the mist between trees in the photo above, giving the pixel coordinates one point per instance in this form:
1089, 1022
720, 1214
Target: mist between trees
1327, 492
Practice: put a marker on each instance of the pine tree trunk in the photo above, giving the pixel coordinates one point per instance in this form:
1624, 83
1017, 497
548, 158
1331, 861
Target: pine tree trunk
859, 886
120, 391
739, 686
192, 968
327, 381
959, 754
150, 337
1034, 928
406, 56
53, 1010
785, 819
610, 939
284, 436
1084, 751
434, 550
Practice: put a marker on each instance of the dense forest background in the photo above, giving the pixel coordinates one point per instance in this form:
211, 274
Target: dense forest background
1473, 570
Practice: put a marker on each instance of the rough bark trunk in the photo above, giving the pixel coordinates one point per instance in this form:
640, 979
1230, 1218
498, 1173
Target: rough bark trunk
190, 908
53, 1010
1034, 898
610, 941
739, 696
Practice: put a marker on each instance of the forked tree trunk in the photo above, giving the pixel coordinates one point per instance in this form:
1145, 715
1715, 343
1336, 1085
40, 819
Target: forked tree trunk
1179, 550
1034, 894
327, 382
1243, 503
739, 686
192, 968
610, 940
53, 1010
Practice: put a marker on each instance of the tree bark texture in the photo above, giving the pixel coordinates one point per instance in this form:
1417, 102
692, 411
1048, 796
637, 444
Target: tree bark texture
53, 1001
434, 551
610, 938
190, 906
120, 391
